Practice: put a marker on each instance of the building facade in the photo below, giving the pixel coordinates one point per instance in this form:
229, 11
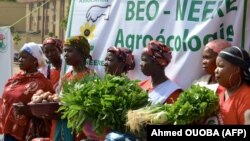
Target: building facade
45, 18
10, 13
34, 20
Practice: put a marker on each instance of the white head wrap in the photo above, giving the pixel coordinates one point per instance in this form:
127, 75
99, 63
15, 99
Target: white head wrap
36, 51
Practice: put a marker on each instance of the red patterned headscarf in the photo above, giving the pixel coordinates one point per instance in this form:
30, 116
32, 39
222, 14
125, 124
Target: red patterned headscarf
125, 55
159, 52
55, 42
218, 45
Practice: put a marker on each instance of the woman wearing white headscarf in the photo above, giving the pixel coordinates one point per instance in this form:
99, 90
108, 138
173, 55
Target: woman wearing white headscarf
14, 122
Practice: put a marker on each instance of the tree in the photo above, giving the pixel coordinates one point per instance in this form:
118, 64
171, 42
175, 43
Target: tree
16, 38
51, 34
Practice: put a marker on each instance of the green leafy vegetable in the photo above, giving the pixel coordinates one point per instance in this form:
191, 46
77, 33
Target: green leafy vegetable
104, 102
194, 105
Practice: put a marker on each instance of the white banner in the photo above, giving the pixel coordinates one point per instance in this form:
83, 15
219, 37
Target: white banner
185, 25
6, 56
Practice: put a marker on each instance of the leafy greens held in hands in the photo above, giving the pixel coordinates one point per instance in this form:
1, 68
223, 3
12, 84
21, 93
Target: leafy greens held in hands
194, 105
104, 102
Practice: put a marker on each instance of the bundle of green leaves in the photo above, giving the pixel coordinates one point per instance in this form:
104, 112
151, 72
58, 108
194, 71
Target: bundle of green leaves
103, 102
193, 106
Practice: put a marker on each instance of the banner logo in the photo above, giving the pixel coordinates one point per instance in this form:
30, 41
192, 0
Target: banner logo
94, 13
87, 30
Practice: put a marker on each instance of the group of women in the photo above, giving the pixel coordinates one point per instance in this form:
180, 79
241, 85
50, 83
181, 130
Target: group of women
227, 68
